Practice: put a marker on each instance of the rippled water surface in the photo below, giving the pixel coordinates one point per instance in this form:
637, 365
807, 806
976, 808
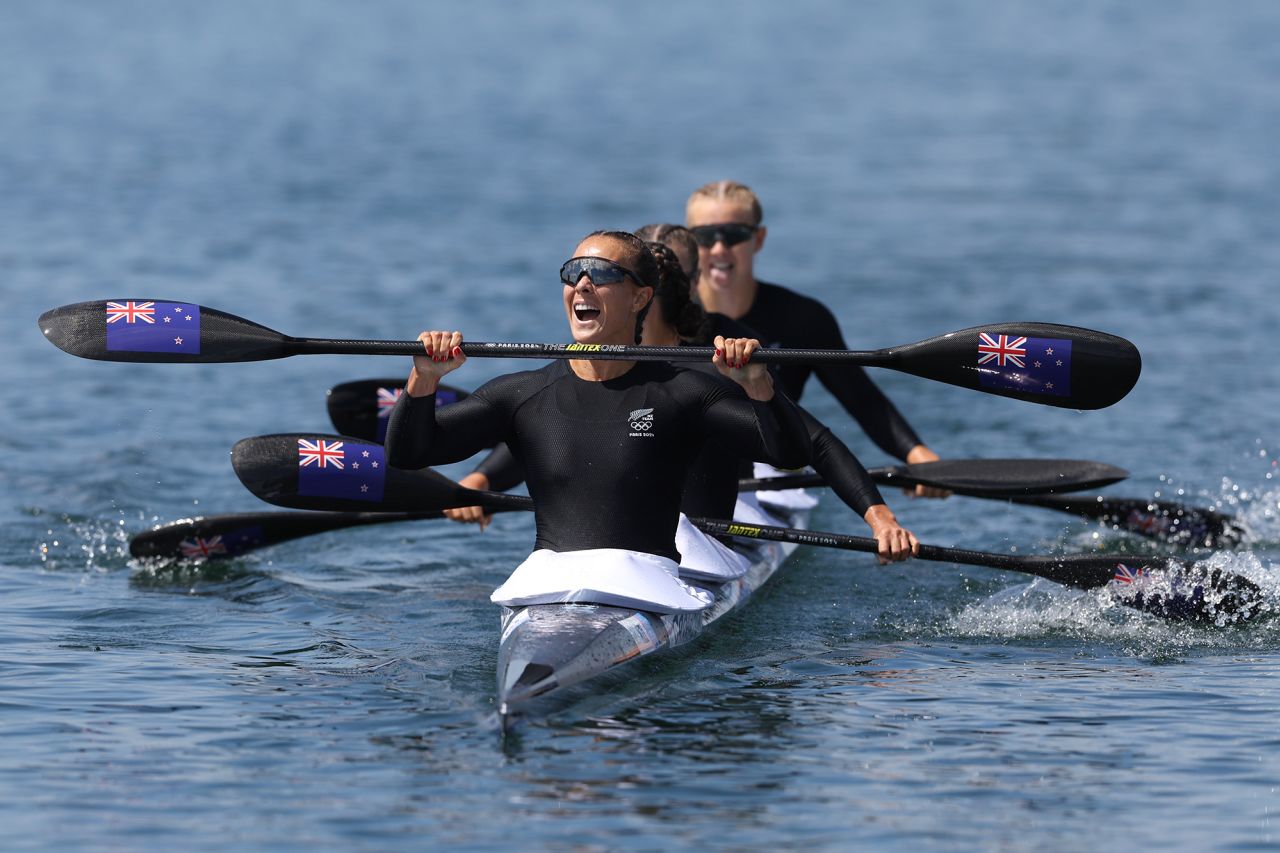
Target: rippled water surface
333, 170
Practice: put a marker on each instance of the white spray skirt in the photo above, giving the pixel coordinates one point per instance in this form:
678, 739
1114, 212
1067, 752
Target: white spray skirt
788, 500
748, 510
609, 576
705, 559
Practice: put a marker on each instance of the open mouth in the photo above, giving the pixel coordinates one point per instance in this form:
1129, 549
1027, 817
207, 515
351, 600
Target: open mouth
585, 313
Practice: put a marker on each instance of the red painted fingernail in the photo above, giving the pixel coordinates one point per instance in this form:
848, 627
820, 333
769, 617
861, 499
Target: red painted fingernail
428, 350
719, 352
457, 350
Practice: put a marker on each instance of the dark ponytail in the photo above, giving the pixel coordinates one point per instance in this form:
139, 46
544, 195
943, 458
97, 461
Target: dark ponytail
675, 301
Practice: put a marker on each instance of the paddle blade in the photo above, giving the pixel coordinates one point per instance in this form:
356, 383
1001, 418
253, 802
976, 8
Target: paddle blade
1044, 363
1176, 523
328, 472
1003, 477
219, 537
1173, 589
156, 331
361, 409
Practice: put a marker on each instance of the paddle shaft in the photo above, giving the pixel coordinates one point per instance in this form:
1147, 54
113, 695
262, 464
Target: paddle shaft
935, 553
593, 352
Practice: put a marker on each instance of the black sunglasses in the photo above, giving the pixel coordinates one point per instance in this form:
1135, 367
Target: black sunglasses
729, 233
599, 270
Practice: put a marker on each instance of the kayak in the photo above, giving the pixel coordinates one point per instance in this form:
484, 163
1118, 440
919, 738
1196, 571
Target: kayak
546, 648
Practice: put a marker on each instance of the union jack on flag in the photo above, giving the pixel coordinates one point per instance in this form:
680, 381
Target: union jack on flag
131, 312
197, 547
1124, 574
387, 400
1002, 349
320, 453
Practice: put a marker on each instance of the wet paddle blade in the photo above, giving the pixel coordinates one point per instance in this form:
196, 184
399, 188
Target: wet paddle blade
1170, 588
220, 537
158, 331
361, 409
1164, 521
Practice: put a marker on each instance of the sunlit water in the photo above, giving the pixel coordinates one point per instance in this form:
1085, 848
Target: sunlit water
327, 170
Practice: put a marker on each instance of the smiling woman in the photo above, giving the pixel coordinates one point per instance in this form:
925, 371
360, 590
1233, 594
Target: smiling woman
595, 300
726, 220
605, 445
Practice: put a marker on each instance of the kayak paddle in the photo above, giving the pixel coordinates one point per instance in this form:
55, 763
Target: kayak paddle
1164, 586
314, 472
233, 534
1045, 363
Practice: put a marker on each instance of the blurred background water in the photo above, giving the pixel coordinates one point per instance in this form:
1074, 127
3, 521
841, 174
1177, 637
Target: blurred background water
368, 170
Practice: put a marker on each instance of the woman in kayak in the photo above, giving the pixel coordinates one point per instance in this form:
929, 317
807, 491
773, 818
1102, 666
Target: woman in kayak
605, 445
712, 488
725, 218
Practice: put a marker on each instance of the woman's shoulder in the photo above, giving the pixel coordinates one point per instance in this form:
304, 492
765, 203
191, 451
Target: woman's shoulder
522, 383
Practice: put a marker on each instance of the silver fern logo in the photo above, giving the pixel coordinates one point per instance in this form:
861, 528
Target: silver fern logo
641, 421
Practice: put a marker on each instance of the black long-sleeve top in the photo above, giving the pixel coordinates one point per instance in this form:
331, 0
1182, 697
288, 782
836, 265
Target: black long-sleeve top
606, 462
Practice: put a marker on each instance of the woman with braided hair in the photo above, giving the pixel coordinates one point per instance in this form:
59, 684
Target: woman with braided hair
606, 495
711, 490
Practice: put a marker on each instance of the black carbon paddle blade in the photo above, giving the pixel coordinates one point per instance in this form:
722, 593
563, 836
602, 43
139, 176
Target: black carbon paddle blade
338, 473
1003, 477
157, 331
1044, 363
1008, 479
1172, 589
1165, 521
361, 409
220, 537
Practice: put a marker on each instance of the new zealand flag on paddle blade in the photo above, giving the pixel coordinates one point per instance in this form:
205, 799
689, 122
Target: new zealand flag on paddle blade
387, 398
135, 326
222, 545
341, 468
1035, 365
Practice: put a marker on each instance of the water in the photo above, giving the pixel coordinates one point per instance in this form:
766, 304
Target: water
338, 171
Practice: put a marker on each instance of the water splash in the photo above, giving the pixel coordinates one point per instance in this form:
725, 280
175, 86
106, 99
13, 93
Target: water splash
75, 542
1042, 610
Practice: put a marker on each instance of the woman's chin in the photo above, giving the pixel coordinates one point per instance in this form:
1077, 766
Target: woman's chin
586, 333
722, 283
590, 333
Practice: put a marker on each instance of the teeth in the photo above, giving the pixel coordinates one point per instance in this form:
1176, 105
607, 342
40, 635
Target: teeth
721, 266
